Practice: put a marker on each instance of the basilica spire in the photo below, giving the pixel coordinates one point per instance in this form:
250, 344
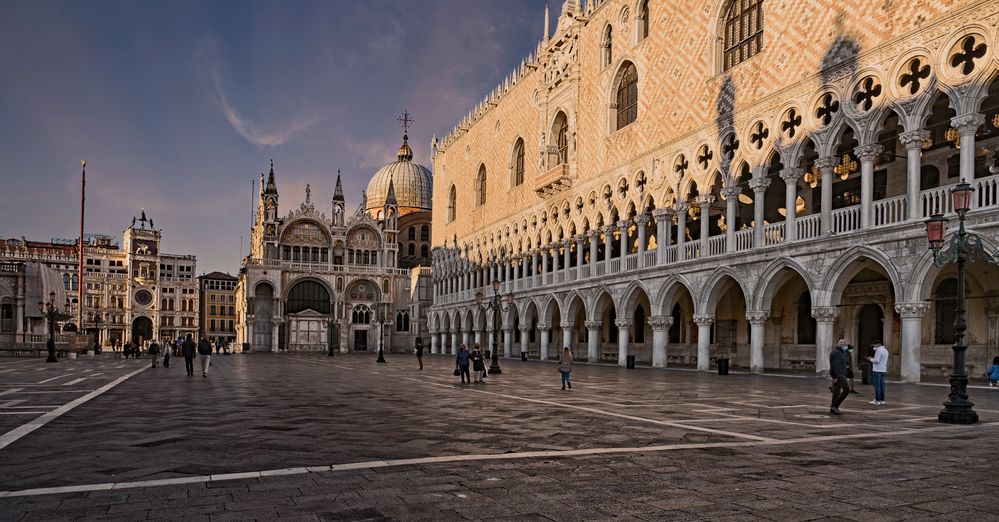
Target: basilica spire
271, 185
390, 200
338, 191
545, 36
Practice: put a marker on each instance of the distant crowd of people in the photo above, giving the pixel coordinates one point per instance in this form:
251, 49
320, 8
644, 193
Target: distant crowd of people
184, 347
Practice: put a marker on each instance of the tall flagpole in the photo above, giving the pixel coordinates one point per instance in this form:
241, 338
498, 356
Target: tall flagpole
83, 202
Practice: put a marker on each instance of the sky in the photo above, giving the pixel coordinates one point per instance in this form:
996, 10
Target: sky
178, 106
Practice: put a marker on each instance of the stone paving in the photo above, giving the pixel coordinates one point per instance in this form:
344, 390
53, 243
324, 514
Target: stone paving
269, 436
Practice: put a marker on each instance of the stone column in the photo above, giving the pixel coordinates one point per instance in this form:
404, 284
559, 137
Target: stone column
567, 331
867, 154
592, 340
660, 339
913, 143
524, 338
566, 255
623, 329
681, 230
478, 337
544, 262
579, 254
594, 236
434, 341
967, 125
825, 319
622, 227
466, 339
507, 342
826, 164
705, 203
912, 339
545, 330
790, 176
454, 342
731, 195
275, 328
664, 218
759, 186
608, 240
641, 221
704, 322
758, 326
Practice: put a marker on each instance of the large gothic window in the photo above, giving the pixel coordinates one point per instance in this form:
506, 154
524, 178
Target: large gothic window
743, 31
308, 295
561, 138
480, 186
627, 96
518, 162
451, 200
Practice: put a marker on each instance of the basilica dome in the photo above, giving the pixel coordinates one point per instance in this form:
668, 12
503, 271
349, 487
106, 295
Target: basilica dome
411, 182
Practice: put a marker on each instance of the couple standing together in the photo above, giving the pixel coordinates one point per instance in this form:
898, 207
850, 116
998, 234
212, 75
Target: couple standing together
840, 371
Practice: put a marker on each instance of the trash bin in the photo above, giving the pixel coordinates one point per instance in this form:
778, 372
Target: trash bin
722, 366
246, 347
867, 373
489, 354
630, 361
523, 356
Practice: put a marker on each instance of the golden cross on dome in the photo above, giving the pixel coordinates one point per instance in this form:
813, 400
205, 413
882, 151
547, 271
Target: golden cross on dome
406, 121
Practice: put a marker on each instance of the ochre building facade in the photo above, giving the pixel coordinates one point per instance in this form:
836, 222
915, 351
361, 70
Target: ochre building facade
684, 181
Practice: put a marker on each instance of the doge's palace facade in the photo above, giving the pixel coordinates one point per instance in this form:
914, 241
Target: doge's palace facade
681, 181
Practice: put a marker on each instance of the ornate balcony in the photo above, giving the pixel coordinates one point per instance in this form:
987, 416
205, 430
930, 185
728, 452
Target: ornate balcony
555, 180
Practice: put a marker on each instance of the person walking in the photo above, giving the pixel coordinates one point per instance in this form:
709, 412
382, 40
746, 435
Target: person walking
478, 364
187, 350
837, 370
461, 363
419, 351
880, 368
993, 373
565, 367
205, 351
127, 350
849, 364
154, 353
167, 348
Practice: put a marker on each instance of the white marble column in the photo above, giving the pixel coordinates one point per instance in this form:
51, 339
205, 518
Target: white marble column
967, 125
913, 143
790, 176
826, 165
592, 340
664, 218
525, 336
681, 230
704, 322
912, 339
454, 343
825, 319
579, 254
705, 217
545, 330
759, 186
608, 247
758, 327
434, 342
567, 331
594, 236
507, 342
622, 227
566, 255
731, 195
641, 221
623, 329
660, 339
867, 154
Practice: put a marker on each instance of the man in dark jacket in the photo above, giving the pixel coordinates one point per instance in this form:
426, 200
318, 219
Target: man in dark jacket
205, 351
187, 350
838, 371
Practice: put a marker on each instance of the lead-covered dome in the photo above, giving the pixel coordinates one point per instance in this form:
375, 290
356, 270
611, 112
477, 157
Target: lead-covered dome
412, 183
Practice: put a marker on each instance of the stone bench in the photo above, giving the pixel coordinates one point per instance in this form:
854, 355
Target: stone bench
798, 364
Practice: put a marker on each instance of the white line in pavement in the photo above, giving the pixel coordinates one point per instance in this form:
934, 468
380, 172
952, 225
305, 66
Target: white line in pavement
21, 412
15, 434
50, 379
10, 404
10, 391
466, 458
74, 381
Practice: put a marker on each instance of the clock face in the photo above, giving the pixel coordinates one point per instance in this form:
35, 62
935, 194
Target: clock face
143, 297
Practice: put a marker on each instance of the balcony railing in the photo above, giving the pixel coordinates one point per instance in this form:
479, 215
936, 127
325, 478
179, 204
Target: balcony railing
555, 180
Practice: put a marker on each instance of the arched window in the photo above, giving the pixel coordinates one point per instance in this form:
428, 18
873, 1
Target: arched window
480, 186
412, 233
424, 251
608, 46
518, 162
643, 20
425, 233
308, 295
76, 282
561, 138
360, 315
806, 323
451, 197
412, 249
627, 96
743, 31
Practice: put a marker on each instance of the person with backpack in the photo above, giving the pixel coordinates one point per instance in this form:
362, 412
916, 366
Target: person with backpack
187, 349
565, 367
461, 364
205, 351
154, 352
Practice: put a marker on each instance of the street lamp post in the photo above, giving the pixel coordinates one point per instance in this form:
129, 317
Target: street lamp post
962, 247
48, 311
382, 312
497, 305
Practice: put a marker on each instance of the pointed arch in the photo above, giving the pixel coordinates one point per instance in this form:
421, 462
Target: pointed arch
715, 285
773, 277
847, 265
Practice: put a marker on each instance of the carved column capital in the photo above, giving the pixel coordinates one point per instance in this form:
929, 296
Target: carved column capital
757, 316
868, 153
623, 323
968, 123
791, 174
704, 319
912, 310
641, 219
759, 184
593, 234
592, 325
565, 325
914, 139
524, 327
660, 322
825, 314
663, 214
544, 327
827, 163
608, 230
681, 208
623, 224
728, 193
705, 200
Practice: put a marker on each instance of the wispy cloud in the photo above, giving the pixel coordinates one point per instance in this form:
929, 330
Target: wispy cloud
253, 132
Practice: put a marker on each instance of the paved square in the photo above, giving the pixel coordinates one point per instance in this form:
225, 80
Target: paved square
269, 436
